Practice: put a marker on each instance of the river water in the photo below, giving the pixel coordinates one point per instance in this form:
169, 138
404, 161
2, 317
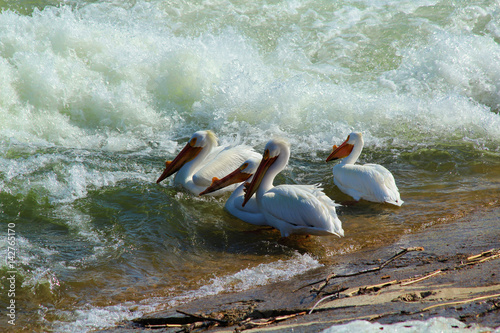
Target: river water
95, 96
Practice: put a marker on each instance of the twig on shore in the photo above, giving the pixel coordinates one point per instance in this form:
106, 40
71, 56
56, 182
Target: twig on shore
372, 288
460, 302
359, 291
412, 281
326, 280
372, 317
476, 259
482, 255
203, 317
336, 294
156, 326
251, 323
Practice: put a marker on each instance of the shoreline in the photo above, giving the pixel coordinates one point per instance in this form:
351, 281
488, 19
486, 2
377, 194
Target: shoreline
450, 271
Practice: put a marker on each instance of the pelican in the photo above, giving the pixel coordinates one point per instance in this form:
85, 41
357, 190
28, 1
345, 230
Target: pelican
371, 182
202, 159
292, 209
250, 213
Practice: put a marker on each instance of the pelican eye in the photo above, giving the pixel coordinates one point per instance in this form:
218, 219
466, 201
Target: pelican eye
243, 166
192, 142
266, 155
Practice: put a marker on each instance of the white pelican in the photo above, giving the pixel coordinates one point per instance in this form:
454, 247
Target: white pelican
202, 159
301, 209
250, 213
371, 182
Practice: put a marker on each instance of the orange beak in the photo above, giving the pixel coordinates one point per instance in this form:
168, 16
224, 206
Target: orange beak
237, 176
251, 188
187, 154
340, 152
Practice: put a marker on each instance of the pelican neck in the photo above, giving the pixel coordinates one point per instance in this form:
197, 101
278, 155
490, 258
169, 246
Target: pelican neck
355, 153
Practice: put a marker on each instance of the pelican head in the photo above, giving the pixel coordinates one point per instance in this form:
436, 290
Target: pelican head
345, 149
244, 172
199, 141
276, 150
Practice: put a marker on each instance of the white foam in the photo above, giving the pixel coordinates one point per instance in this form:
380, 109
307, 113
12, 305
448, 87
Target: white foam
117, 77
71, 76
252, 277
29, 262
454, 70
62, 178
432, 325
26, 253
89, 318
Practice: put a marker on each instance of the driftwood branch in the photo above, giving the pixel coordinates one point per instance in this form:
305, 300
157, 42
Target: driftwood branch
252, 323
204, 318
324, 282
199, 321
485, 254
412, 281
472, 260
460, 302
377, 316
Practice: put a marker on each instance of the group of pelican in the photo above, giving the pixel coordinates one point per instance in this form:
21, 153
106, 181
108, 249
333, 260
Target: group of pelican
203, 167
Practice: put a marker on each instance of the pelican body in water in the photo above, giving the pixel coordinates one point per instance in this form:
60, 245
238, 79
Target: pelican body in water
292, 209
202, 159
371, 182
234, 205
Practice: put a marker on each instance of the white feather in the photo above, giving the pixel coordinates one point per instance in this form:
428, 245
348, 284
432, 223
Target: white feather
292, 209
371, 182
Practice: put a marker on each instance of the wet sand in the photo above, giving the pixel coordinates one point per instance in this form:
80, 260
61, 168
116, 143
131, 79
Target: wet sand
452, 270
